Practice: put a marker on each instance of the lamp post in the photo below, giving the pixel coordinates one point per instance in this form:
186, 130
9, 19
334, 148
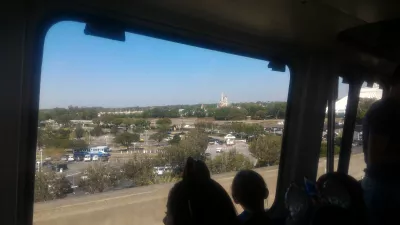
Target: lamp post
41, 159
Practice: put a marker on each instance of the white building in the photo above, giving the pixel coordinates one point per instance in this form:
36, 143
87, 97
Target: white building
127, 112
223, 102
366, 92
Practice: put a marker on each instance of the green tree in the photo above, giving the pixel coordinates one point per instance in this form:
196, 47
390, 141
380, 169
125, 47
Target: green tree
145, 124
97, 131
99, 177
41, 138
194, 144
96, 121
200, 113
229, 161
53, 138
266, 149
230, 113
159, 136
49, 186
276, 110
324, 148
64, 120
260, 115
164, 122
175, 140
363, 106
62, 133
114, 130
79, 132
125, 139
139, 169
74, 144
117, 121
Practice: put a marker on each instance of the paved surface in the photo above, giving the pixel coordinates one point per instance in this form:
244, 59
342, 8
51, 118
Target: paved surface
142, 205
240, 147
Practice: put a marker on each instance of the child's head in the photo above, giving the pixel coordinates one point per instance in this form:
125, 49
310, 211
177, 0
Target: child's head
249, 190
197, 199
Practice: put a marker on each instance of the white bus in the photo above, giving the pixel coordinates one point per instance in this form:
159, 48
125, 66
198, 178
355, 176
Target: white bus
100, 149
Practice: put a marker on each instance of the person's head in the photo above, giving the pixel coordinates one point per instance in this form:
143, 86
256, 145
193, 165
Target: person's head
198, 199
249, 190
356, 204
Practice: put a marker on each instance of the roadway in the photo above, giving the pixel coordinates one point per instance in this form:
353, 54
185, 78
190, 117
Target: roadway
143, 205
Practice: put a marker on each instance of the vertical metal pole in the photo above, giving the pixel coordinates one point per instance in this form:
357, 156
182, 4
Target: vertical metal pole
349, 123
330, 152
41, 159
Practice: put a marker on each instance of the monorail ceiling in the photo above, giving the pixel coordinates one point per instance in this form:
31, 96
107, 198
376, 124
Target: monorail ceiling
274, 29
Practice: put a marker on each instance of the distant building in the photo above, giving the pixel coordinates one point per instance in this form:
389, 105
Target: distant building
223, 102
366, 92
83, 122
128, 112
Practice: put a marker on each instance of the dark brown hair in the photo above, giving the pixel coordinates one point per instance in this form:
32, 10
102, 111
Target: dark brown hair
198, 199
249, 188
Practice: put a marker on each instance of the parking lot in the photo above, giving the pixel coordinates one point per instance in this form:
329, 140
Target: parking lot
239, 146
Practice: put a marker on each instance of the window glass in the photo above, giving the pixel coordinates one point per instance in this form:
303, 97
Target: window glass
163, 102
367, 97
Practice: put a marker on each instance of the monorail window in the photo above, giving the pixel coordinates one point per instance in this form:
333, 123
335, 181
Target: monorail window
122, 149
368, 95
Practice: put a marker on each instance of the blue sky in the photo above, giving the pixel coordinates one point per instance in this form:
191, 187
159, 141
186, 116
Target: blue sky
82, 70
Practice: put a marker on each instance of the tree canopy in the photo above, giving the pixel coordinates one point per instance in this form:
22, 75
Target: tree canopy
266, 149
194, 145
79, 132
164, 122
158, 136
230, 113
363, 106
125, 139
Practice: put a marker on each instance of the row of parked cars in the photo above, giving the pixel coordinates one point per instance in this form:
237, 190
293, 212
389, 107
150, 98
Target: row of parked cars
162, 170
86, 158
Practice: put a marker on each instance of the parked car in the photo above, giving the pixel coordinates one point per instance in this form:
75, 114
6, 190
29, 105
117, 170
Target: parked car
95, 158
64, 158
71, 158
219, 150
159, 170
87, 158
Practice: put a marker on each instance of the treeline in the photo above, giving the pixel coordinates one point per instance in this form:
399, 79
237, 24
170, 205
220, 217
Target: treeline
61, 138
237, 111
64, 115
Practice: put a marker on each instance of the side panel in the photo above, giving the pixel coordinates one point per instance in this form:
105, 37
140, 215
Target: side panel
308, 92
20, 64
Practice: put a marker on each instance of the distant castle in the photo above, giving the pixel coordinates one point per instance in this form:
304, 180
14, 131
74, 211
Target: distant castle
223, 102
